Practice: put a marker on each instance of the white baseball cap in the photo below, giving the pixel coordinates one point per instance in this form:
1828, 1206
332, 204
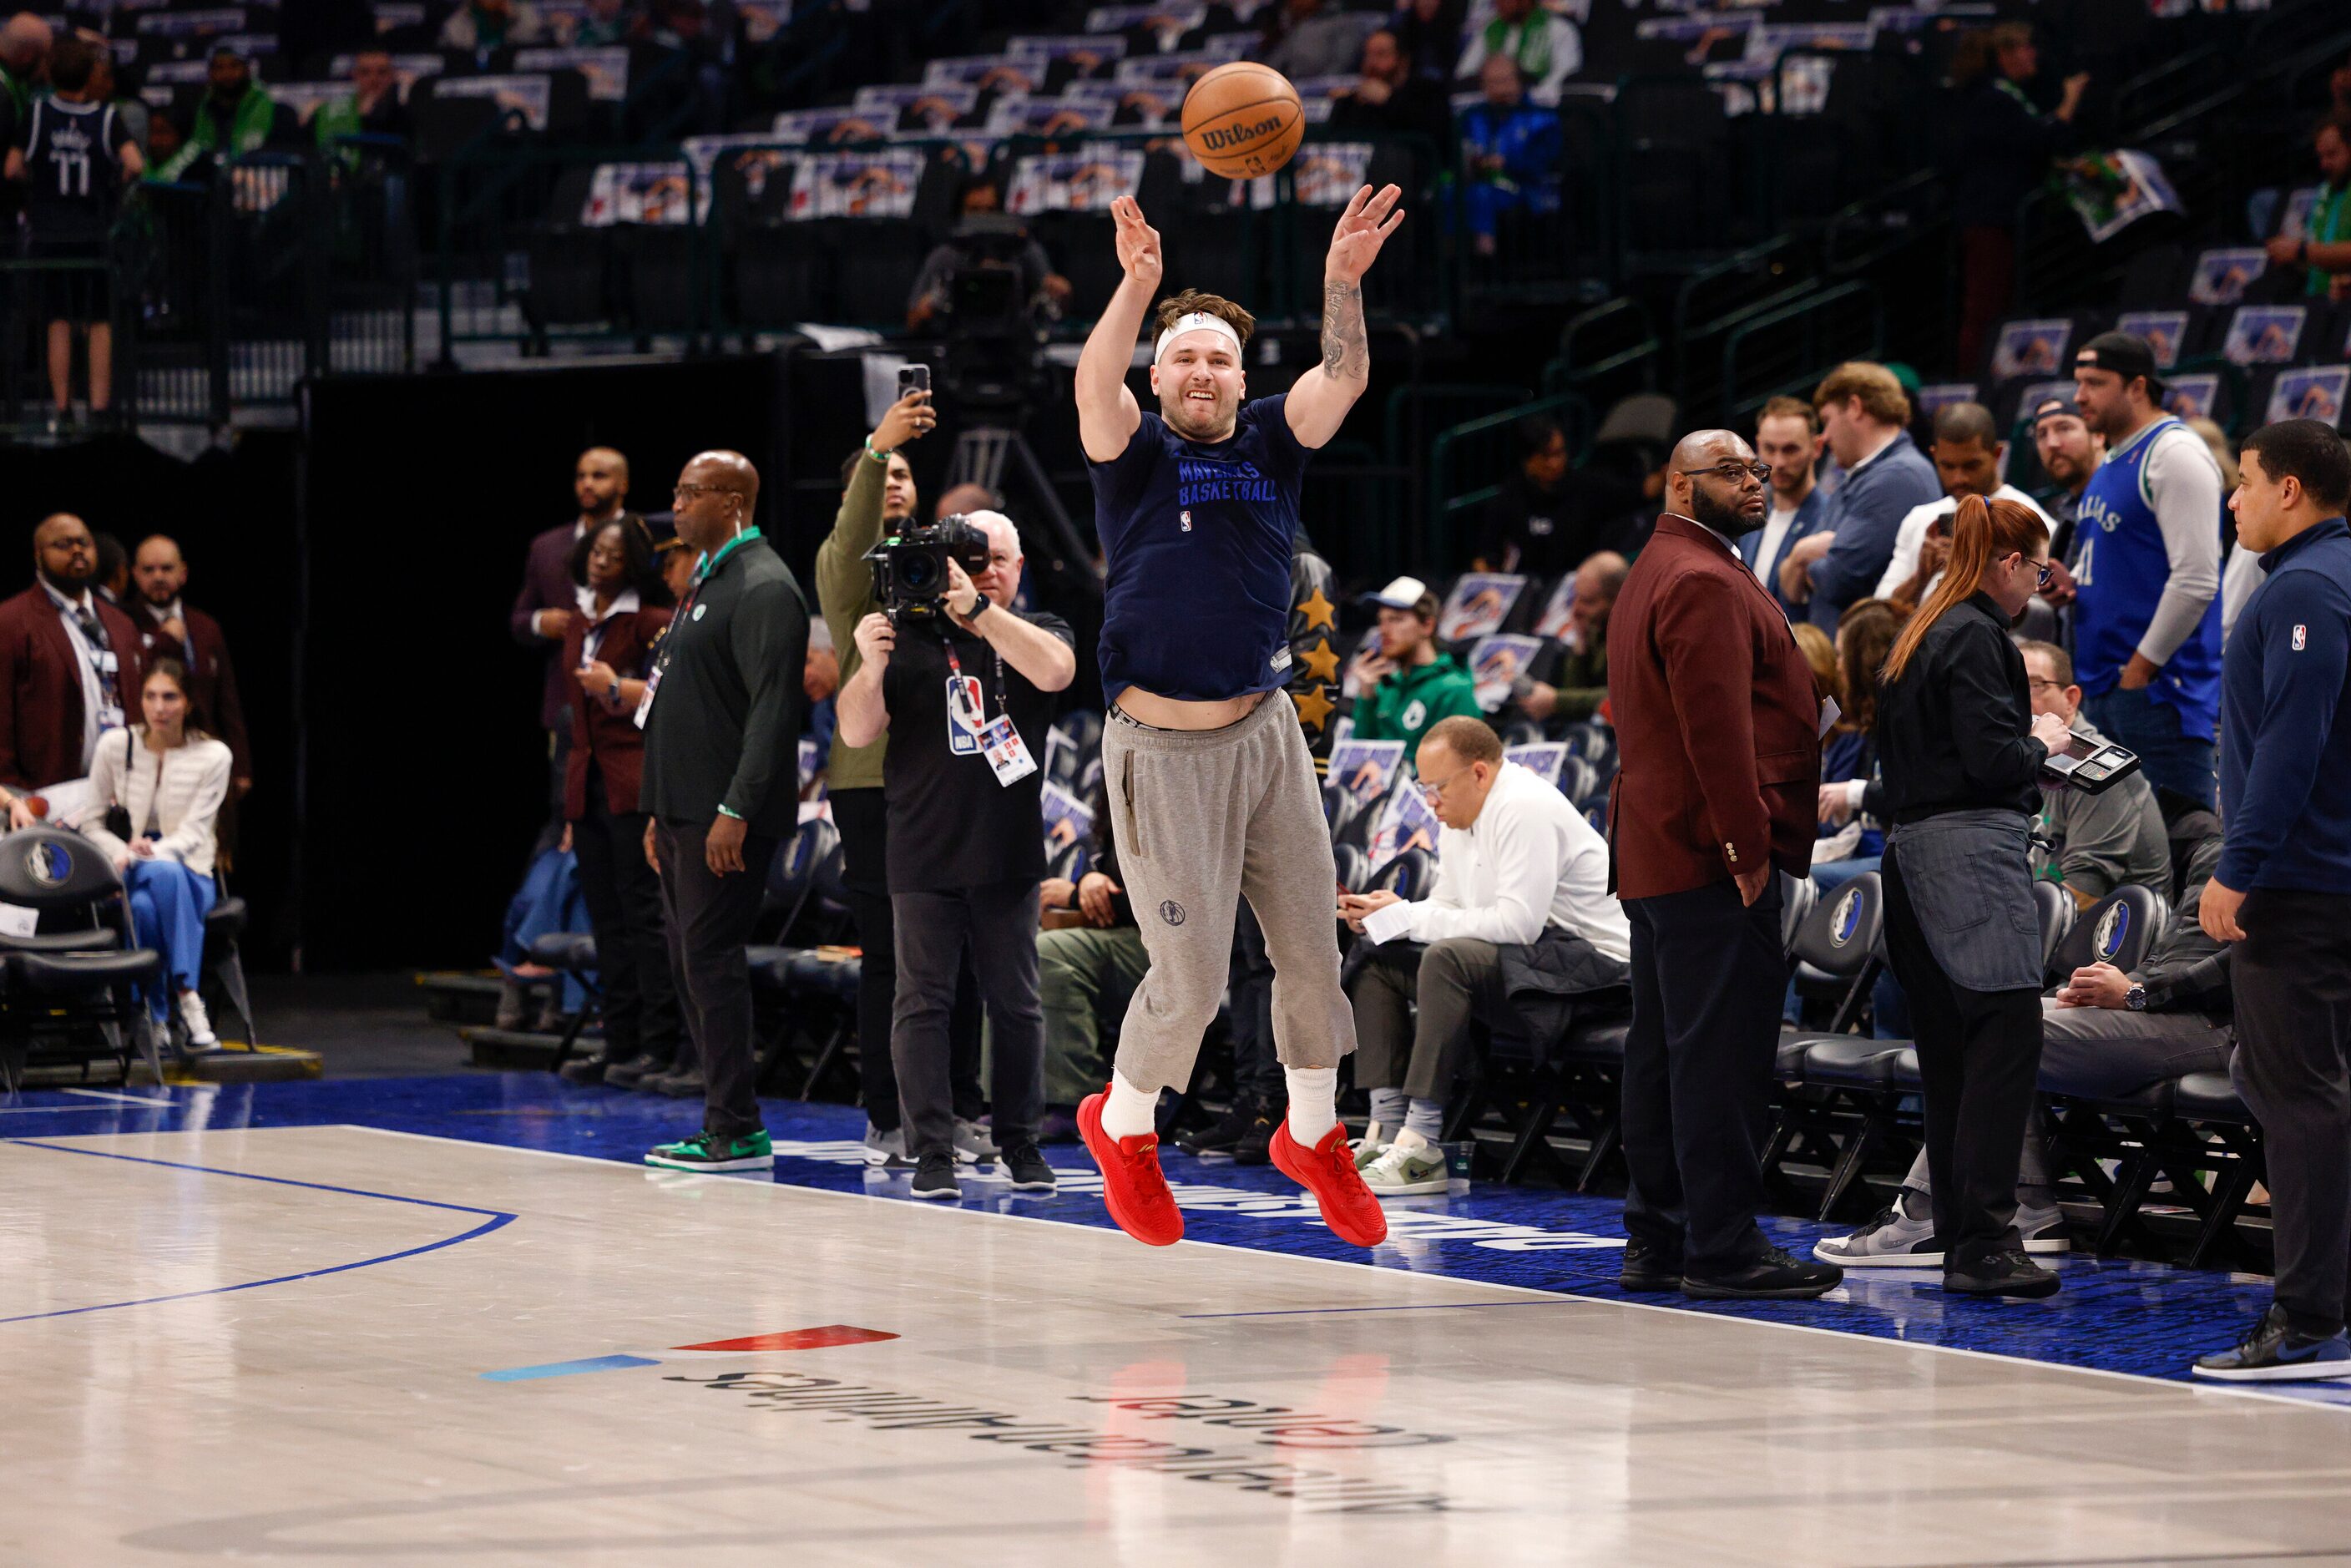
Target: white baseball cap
1404, 594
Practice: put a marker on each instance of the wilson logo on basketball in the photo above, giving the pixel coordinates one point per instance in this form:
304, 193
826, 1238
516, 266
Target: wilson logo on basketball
1217, 140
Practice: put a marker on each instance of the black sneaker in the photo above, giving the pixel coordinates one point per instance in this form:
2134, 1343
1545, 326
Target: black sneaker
1256, 1148
1773, 1277
683, 1081
1649, 1267
2274, 1352
1021, 1161
935, 1177
632, 1073
1999, 1274
1225, 1133
588, 1068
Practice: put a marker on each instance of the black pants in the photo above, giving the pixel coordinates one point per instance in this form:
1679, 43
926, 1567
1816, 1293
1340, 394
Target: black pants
625, 905
1979, 1062
2292, 975
709, 919
998, 926
1708, 974
864, 824
1257, 1070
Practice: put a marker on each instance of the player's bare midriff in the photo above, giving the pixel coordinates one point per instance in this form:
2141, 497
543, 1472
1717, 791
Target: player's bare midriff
1173, 713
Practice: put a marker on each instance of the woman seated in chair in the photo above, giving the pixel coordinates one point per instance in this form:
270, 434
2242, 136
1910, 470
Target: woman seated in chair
169, 778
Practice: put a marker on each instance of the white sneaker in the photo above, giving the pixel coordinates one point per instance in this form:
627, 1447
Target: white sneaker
886, 1150
1892, 1241
198, 1027
973, 1144
1370, 1146
1404, 1173
2043, 1230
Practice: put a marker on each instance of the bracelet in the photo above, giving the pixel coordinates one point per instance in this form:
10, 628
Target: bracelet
726, 811
877, 456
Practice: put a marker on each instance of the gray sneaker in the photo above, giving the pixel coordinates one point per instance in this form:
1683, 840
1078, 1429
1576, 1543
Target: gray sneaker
1892, 1241
2043, 1230
973, 1145
887, 1150
1400, 1172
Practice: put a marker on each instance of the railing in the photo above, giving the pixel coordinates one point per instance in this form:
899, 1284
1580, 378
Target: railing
1484, 444
1790, 348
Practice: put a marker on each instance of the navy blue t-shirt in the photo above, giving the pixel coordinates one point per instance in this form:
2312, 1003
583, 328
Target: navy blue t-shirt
1196, 538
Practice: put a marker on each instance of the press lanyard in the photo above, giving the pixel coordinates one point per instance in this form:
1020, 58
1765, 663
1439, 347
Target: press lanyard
709, 568
1003, 702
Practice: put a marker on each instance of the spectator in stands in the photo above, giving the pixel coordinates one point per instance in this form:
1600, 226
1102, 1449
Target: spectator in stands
1864, 411
1392, 100
1086, 971
1509, 152
1308, 39
2097, 844
70, 664
24, 43
1429, 33
169, 779
234, 116
2070, 452
1853, 798
1543, 44
172, 628
2147, 615
1969, 457
1550, 515
478, 26
1407, 683
622, 614
1522, 913
75, 154
374, 107
2283, 891
549, 600
2325, 244
1582, 684
1788, 437
1036, 285
2103, 1032
2001, 144
966, 858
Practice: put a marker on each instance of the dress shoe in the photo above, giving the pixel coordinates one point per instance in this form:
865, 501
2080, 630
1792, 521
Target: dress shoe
1774, 1276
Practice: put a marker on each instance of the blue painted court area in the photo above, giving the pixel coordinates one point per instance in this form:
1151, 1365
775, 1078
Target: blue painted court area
2127, 1317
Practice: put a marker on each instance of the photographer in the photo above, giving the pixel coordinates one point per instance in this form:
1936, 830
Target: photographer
966, 855
1962, 752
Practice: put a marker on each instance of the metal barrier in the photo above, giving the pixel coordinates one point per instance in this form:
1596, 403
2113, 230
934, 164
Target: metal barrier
1790, 348
1487, 440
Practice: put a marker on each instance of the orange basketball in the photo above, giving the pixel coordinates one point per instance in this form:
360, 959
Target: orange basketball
1243, 119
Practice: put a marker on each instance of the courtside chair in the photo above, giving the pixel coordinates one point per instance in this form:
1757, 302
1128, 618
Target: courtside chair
68, 988
1838, 949
224, 959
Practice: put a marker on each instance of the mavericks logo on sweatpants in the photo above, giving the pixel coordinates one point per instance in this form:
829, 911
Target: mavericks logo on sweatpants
1171, 912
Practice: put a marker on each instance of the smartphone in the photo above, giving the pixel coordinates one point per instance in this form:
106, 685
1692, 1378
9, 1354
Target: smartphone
913, 378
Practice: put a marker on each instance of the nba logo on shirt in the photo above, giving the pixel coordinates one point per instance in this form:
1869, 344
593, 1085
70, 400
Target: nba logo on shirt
2300, 636
1185, 518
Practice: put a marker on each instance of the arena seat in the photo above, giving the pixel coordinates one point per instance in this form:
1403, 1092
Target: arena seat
2057, 910
1355, 870
1410, 876
71, 999
2118, 929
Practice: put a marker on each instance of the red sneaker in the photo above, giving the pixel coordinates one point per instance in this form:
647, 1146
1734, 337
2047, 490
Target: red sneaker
1132, 1189
1328, 1170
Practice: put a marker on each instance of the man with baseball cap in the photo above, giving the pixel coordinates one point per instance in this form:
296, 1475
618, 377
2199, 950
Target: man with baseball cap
1404, 685
2146, 572
2070, 452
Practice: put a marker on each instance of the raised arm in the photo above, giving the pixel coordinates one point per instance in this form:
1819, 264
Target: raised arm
1319, 403
1107, 413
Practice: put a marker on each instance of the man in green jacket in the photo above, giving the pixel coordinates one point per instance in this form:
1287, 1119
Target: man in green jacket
233, 118
1407, 684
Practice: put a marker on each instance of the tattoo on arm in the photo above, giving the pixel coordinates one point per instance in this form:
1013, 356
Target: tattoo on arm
1346, 354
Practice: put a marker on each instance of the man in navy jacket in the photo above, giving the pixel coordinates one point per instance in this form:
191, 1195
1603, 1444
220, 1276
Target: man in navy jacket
2283, 891
1864, 413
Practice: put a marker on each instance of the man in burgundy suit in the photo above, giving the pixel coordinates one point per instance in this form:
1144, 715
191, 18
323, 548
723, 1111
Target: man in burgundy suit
1718, 739
171, 628
70, 666
544, 610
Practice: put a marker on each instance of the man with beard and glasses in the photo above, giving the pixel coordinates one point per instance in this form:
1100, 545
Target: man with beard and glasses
172, 628
1718, 732
70, 667
1211, 783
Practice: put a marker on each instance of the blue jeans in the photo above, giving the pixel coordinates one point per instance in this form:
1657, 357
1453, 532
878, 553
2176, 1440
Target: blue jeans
168, 906
1830, 876
2170, 757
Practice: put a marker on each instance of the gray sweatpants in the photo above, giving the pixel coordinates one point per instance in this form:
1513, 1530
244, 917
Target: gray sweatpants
1204, 817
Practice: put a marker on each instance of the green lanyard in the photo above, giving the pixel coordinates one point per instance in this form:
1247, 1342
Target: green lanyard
710, 562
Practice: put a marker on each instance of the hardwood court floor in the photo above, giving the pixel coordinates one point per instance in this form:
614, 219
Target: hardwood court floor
340, 1345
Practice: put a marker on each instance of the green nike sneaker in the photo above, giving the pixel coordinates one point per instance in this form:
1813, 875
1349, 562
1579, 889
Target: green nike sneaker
702, 1152
1399, 1171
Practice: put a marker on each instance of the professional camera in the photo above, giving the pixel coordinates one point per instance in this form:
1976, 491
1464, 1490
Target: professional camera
910, 569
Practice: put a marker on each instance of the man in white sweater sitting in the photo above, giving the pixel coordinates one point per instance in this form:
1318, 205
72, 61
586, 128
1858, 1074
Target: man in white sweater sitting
1521, 909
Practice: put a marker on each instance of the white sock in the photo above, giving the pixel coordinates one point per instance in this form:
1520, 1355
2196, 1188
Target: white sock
1409, 1140
1130, 1113
1313, 1102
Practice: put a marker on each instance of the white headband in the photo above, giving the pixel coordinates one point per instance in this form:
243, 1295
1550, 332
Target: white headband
1195, 321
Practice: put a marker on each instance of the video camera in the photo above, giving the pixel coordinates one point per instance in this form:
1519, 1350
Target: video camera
910, 569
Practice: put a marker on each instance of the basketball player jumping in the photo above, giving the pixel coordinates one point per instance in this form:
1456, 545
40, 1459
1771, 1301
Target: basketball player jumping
1212, 789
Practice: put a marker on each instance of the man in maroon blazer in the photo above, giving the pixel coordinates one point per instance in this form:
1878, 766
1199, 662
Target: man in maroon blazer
544, 610
70, 666
171, 628
1717, 739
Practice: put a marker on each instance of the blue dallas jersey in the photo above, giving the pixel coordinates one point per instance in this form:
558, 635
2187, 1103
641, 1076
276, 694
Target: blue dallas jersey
2122, 567
1195, 537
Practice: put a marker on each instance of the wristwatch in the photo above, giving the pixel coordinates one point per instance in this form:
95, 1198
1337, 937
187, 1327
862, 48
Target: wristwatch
2135, 999
979, 602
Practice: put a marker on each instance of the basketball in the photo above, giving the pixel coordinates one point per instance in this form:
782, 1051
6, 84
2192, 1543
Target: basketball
1243, 119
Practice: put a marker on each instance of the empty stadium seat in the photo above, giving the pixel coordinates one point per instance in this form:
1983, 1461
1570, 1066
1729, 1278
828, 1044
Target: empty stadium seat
2118, 929
71, 997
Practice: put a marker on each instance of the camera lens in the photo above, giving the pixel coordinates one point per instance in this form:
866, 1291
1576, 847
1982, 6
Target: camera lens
920, 573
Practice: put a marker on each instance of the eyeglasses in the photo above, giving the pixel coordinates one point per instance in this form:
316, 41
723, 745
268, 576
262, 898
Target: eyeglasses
2047, 573
1732, 473
2036, 683
688, 492
1433, 787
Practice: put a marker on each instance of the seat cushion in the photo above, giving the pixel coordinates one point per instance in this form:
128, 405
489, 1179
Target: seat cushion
225, 918
770, 967
812, 971
1852, 1062
2207, 1097
1597, 1042
82, 971
1905, 1070
571, 950
99, 940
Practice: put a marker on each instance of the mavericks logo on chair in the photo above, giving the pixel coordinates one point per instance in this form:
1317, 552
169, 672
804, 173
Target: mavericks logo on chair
49, 863
2113, 926
1848, 918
